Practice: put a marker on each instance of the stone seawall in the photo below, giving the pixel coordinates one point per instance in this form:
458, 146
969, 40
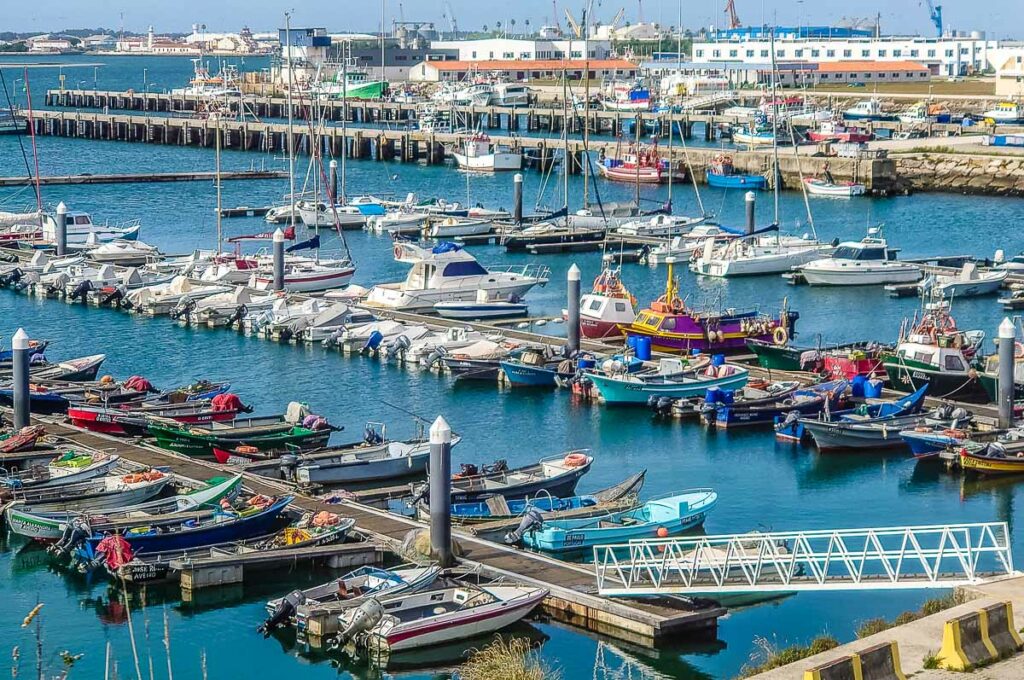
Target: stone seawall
980, 174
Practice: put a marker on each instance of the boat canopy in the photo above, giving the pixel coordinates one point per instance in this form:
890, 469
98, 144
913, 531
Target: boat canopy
743, 232
446, 247
308, 244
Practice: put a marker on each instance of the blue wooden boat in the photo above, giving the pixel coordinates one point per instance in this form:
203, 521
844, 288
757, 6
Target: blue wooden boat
35, 347
531, 369
223, 527
722, 174
929, 440
673, 514
639, 388
39, 401
805, 401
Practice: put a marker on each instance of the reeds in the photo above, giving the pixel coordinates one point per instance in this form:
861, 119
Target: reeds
508, 659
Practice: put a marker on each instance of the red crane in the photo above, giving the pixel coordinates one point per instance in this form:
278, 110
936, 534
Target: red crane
734, 19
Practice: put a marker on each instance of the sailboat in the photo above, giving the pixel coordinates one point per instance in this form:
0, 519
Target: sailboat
763, 251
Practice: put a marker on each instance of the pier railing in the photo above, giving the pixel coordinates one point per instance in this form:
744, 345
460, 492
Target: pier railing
845, 559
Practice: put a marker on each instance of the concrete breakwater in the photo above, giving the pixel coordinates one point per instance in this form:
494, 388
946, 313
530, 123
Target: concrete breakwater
966, 173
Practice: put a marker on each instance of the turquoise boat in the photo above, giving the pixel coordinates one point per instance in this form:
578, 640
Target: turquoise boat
640, 388
657, 518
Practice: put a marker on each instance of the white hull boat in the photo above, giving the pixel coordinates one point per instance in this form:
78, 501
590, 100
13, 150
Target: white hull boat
660, 225
307, 276
820, 187
216, 310
391, 460
764, 254
125, 253
867, 262
969, 282
317, 215
684, 246
453, 227
479, 155
376, 335
397, 223
161, 299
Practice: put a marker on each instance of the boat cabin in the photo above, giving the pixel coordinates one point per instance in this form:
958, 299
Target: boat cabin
438, 267
867, 249
949, 359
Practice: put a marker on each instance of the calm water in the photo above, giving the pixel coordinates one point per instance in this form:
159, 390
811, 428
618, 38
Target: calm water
760, 482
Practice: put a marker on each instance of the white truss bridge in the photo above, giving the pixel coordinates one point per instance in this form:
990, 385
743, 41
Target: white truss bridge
788, 561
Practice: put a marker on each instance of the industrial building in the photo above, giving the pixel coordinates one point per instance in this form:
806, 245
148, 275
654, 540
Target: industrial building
523, 70
525, 49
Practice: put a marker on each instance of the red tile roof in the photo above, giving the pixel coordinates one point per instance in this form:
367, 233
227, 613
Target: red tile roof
869, 66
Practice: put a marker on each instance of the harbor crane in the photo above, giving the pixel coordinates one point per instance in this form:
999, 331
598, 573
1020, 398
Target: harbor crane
577, 30
734, 19
449, 14
935, 14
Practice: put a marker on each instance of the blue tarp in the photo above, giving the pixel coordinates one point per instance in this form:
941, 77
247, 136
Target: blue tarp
742, 231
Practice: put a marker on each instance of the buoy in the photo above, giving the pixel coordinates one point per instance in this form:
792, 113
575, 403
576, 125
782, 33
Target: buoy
662, 532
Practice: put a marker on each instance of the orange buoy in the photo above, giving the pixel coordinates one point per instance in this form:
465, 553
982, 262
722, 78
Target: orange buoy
662, 532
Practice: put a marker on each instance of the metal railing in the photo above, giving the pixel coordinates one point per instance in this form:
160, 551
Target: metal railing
842, 559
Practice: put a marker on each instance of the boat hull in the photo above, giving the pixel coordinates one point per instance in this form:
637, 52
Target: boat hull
614, 391
860, 277
749, 182
908, 377
414, 464
833, 436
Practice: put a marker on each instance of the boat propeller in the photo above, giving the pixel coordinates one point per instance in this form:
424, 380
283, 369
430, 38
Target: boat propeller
285, 610
531, 521
362, 620
81, 290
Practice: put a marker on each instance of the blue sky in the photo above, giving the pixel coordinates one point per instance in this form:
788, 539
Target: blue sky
1001, 18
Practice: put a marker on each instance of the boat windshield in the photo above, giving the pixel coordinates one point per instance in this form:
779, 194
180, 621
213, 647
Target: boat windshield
851, 253
464, 268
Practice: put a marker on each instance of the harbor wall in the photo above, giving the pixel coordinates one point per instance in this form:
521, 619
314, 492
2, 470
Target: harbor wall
975, 174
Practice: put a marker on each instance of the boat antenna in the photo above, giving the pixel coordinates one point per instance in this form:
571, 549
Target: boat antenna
291, 134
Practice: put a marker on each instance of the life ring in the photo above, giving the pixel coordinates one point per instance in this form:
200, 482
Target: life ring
780, 336
397, 251
1018, 350
575, 460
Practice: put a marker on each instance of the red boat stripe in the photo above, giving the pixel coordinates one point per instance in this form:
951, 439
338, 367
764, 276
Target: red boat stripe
437, 625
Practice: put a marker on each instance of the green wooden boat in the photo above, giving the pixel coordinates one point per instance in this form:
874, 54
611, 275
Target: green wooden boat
776, 357
200, 441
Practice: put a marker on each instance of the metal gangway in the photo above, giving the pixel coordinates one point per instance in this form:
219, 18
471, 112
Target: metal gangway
843, 559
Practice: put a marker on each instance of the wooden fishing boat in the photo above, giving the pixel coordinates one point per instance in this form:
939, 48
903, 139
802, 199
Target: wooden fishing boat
133, 419
996, 458
764, 411
98, 493
271, 433
446, 612
72, 370
535, 368
69, 467
21, 440
225, 526
868, 426
632, 388
825, 187
928, 441
349, 590
558, 475
49, 525
41, 400
721, 173
842, 361
657, 518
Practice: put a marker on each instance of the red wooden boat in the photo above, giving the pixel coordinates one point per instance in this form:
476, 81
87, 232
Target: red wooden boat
132, 419
831, 131
644, 165
22, 440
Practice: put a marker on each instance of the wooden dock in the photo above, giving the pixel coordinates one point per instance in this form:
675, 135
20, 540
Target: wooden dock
572, 586
227, 175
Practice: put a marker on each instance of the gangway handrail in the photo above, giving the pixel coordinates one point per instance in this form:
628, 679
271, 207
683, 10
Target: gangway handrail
926, 556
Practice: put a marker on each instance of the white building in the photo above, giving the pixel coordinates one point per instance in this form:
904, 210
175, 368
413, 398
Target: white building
48, 44
642, 31
524, 49
1010, 73
943, 56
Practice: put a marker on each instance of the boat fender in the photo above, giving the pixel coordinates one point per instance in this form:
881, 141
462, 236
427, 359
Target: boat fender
362, 620
780, 336
1018, 350
283, 612
533, 520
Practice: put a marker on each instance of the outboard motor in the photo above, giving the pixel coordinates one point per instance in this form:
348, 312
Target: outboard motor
996, 450
436, 356
287, 463
236, 316
283, 612
398, 346
81, 290
332, 339
944, 411
183, 309
961, 417
115, 297
75, 533
11, 277
372, 342
371, 437
531, 521
362, 620
286, 334
419, 494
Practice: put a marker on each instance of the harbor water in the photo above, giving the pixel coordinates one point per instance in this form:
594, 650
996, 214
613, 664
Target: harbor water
762, 484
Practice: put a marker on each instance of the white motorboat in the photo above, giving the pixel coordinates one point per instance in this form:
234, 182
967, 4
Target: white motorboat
375, 335
660, 225
392, 460
823, 187
757, 254
682, 247
510, 94
80, 277
441, 342
397, 222
867, 262
314, 317
452, 227
1015, 264
448, 273
968, 282
1006, 113
81, 230
286, 212
42, 262
125, 253
193, 262
477, 94
441, 614
320, 214
306, 276
231, 269
867, 109
217, 310
480, 155
481, 310
162, 298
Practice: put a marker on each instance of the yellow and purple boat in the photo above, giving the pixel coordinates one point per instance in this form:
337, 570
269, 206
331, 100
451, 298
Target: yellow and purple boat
674, 327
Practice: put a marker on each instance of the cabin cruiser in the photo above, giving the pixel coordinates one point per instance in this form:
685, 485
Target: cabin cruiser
860, 263
448, 273
162, 298
868, 109
477, 94
510, 94
480, 155
126, 253
607, 307
1006, 112
660, 225
758, 253
80, 229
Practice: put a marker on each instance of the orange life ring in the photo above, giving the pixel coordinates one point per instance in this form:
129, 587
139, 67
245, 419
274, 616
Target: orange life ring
397, 251
1018, 350
575, 460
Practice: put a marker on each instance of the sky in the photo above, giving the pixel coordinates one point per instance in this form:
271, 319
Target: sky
1000, 18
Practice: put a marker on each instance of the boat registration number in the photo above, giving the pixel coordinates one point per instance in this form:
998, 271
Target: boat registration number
573, 538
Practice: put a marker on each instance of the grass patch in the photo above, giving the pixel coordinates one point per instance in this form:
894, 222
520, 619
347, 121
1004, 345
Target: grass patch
931, 662
768, 656
932, 606
509, 659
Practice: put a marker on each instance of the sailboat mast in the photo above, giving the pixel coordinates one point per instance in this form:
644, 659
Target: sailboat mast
220, 229
775, 131
565, 142
345, 52
586, 105
291, 135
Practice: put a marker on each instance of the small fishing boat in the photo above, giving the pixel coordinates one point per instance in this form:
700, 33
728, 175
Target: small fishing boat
868, 426
446, 612
558, 475
536, 368
841, 361
868, 109
835, 131
763, 410
24, 439
607, 307
349, 590
722, 174
80, 369
479, 154
676, 382
69, 467
868, 262
826, 187
132, 419
99, 493
479, 361
268, 432
661, 517
968, 282
41, 400
47, 525
993, 458
928, 441
226, 526
453, 227
640, 165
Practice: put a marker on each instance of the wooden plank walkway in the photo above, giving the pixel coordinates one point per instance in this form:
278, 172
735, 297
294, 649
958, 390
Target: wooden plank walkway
571, 585
227, 175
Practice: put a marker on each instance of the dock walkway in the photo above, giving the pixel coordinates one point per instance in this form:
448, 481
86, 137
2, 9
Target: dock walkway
571, 585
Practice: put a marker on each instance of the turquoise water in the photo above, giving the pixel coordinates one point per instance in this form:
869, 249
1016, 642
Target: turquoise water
760, 483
